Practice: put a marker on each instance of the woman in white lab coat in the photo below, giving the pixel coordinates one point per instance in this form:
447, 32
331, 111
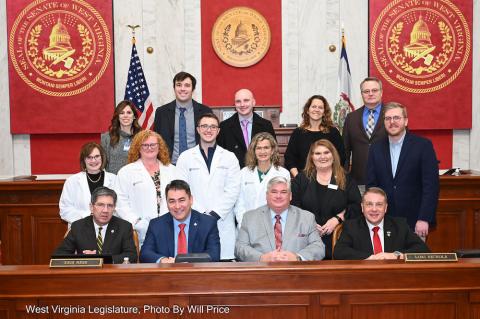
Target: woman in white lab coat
75, 199
141, 184
262, 164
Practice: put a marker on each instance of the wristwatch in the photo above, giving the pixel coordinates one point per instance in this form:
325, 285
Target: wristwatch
340, 220
397, 254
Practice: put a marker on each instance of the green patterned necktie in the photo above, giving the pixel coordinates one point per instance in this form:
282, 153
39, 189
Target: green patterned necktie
99, 240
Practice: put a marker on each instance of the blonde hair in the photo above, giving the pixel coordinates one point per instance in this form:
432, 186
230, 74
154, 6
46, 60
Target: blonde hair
251, 160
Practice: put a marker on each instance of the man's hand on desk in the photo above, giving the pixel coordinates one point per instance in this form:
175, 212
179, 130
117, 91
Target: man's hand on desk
279, 255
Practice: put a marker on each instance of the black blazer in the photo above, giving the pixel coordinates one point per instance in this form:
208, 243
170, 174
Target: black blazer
231, 135
118, 240
355, 242
164, 123
357, 143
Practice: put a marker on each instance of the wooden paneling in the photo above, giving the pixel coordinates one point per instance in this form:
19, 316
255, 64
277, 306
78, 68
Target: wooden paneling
327, 289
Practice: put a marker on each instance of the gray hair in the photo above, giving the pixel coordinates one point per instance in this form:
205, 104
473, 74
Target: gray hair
278, 180
371, 79
103, 191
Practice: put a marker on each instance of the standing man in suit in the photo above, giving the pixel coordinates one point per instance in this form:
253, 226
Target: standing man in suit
101, 232
175, 121
279, 231
182, 231
237, 131
214, 176
376, 236
406, 167
363, 127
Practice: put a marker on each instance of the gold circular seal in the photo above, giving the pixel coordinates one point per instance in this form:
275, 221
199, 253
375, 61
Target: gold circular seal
421, 46
241, 37
60, 48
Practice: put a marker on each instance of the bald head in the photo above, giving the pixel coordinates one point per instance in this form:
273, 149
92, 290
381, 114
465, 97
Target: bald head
244, 102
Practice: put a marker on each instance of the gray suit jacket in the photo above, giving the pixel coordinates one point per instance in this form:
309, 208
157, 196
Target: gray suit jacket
256, 236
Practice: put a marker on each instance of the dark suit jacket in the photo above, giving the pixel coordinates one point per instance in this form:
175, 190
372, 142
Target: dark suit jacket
164, 123
357, 143
355, 242
202, 237
118, 240
231, 135
413, 192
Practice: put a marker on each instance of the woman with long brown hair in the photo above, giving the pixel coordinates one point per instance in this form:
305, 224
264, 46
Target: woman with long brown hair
326, 190
316, 124
116, 142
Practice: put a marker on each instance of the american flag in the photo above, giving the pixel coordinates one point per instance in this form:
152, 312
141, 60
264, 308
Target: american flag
137, 90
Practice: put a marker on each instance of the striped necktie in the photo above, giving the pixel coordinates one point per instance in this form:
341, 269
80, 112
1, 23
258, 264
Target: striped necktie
99, 240
370, 123
278, 232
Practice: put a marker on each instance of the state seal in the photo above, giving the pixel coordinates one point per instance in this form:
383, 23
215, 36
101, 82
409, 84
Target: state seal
60, 48
241, 37
420, 46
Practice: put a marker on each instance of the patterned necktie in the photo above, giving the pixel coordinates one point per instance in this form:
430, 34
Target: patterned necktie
245, 132
370, 123
377, 244
278, 232
182, 131
99, 240
182, 240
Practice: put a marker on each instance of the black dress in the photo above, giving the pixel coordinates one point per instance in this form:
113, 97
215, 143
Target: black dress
325, 202
299, 145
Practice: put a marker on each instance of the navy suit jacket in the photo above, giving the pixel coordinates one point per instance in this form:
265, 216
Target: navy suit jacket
413, 191
202, 237
355, 242
231, 135
164, 123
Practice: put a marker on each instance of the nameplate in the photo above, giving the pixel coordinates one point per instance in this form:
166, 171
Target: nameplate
76, 263
430, 257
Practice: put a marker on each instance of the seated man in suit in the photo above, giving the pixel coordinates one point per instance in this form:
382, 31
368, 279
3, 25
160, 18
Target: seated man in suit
237, 131
181, 231
376, 236
279, 231
101, 232
175, 121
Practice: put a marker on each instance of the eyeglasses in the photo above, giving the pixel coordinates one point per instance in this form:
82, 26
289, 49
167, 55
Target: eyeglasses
374, 91
103, 206
93, 158
149, 146
206, 127
395, 118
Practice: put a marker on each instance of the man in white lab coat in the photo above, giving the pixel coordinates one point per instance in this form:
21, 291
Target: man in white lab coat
213, 174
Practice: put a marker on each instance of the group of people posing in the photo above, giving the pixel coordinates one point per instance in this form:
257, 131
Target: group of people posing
198, 185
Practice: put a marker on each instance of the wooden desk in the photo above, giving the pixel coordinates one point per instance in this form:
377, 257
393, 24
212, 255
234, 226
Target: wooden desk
328, 289
31, 227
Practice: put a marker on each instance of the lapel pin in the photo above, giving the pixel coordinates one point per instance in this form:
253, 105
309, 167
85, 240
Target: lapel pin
388, 233
112, 231
194, 224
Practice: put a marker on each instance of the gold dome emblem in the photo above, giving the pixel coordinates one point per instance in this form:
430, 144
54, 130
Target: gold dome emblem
241, 36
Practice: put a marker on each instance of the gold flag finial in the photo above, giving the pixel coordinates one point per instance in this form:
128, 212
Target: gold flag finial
133, 27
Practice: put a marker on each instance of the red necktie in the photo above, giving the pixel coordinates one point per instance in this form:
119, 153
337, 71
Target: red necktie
377, 244
182, 240
278, 232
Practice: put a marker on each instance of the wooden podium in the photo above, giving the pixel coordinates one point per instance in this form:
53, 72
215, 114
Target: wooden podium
325, 289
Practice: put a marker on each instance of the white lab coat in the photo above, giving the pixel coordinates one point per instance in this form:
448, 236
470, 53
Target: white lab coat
216, 190
137, 196
252, 192
75, 199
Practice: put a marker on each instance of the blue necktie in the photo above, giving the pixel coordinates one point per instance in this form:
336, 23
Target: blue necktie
182, 131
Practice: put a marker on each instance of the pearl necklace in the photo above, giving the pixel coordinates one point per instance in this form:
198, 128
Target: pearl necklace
91, 180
